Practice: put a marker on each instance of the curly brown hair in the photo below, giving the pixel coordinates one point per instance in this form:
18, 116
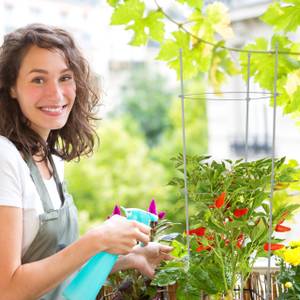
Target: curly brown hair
77, 137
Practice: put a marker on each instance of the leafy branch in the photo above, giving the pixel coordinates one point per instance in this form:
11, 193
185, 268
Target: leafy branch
202, 36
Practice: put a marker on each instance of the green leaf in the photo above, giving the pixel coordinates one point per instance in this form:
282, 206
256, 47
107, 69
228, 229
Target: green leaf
130, 10
148, 27
167, 276
221, 66
155, 25
263, 69
140, 36
294, 102
169, 52
218, 17
283, 17
179, 250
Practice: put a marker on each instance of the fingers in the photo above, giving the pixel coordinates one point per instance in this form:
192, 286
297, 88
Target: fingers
165, 256
149, 272
142, 237
142, 232
165, 249
142, 227
121, 235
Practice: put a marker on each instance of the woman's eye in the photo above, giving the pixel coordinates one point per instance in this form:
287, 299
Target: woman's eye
38, 80
66, 78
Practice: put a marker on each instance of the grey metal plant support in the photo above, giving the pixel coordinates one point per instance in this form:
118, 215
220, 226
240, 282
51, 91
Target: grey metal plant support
249, 96
247, 106
246, 143
268, 293
184, 152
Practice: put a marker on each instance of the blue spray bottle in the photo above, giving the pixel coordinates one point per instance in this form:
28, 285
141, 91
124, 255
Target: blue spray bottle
89, 280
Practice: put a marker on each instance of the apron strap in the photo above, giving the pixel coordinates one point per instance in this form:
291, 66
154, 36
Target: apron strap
39, 184
56, 179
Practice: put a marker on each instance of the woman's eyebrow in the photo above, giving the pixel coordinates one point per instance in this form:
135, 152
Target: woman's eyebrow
38, 71
46, 72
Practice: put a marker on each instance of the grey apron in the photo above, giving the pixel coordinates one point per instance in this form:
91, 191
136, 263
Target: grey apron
57, 227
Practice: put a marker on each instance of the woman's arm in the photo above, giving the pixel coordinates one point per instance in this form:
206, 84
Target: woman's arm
30, 281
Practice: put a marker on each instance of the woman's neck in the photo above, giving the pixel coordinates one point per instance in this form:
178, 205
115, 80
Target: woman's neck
44, 166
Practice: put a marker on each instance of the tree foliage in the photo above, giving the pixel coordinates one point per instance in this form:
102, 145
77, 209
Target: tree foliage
146, 97
125, 171
119, 172
203, 36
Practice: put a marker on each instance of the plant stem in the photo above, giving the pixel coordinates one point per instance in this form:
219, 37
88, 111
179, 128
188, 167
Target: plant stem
222, 263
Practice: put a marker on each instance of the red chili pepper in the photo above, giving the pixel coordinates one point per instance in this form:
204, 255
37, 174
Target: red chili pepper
198, 231
239, 212
202, 248
273, 246
281, 228
219, 202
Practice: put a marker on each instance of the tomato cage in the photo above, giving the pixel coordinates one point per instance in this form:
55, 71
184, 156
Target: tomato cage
261, 283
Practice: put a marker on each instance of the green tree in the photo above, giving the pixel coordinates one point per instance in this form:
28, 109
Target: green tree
146, 97
119, 172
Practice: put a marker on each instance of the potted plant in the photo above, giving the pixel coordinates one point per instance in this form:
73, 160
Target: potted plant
230, 217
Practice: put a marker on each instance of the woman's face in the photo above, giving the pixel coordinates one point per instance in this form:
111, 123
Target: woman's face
45, 89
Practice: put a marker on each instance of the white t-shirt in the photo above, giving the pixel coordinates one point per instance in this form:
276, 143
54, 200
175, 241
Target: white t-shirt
18, 190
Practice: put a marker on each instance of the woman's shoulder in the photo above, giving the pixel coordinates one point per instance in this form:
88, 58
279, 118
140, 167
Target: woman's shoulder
8, 150
7, 145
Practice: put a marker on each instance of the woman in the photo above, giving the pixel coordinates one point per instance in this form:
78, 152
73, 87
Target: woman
47, 103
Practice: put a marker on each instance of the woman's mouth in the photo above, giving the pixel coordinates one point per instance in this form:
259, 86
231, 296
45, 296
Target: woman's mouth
53, 110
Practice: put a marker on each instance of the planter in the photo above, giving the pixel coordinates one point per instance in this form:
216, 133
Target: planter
163, 293
255, 289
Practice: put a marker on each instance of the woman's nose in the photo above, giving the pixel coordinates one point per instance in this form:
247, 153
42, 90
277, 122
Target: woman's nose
54, 91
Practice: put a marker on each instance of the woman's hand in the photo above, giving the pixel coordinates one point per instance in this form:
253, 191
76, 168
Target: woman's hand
147, 258
118, 235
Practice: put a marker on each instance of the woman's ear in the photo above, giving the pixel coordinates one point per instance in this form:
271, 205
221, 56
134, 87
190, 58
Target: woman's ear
13, 92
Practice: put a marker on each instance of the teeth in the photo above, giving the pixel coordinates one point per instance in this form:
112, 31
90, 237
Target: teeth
52, 109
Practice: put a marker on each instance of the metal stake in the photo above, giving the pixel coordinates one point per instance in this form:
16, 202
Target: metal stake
184, 153
269, 288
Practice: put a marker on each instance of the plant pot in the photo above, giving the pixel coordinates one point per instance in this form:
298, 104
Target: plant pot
163, 293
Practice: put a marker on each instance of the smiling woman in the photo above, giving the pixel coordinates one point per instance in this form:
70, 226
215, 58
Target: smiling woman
47, 105
45, 90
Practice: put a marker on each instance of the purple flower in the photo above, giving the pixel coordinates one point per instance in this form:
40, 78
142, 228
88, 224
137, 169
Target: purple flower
161, 214
152, 207
116, 211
